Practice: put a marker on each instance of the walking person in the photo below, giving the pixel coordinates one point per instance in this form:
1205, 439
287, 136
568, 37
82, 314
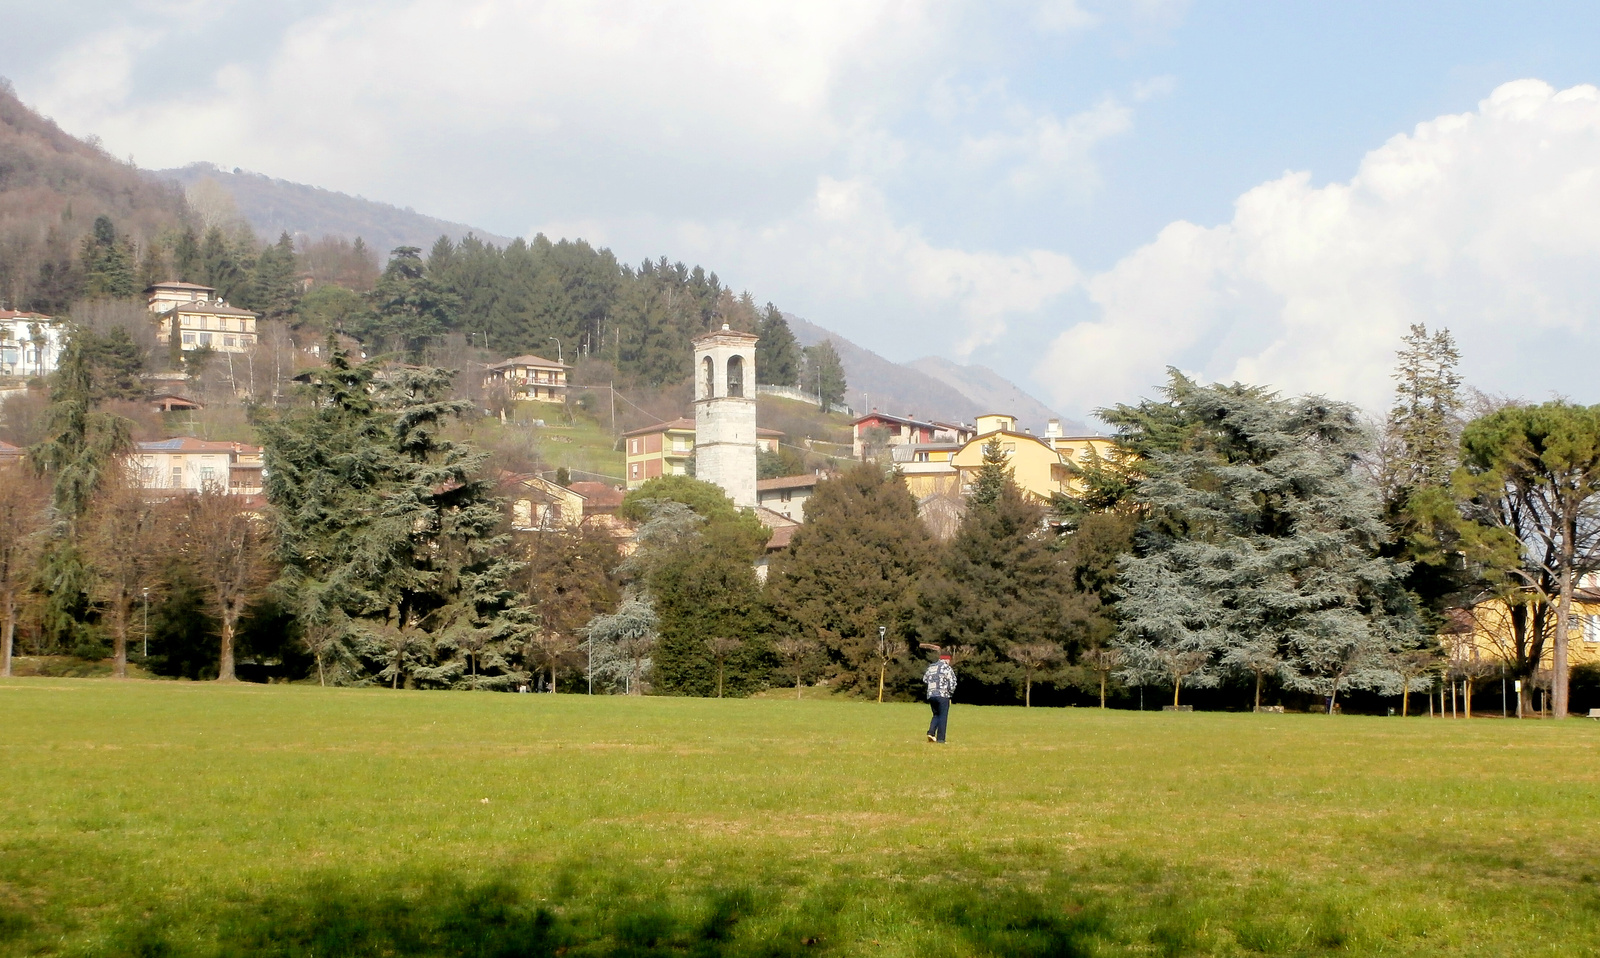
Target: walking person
941, 681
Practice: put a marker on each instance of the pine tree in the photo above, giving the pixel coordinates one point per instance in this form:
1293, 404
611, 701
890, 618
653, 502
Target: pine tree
779, 360
1258, 531
409, 309
275, 288
854, 565
84, 450
385, 523
993, 476
1425, 423
1003, 583
824, 374
188, 265
108, 262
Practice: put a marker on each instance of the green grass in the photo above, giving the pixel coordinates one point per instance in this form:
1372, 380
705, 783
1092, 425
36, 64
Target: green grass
193, 819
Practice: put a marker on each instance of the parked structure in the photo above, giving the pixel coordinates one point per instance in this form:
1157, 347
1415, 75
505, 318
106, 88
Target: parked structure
529, 379
190, 312
187, 464
30, 343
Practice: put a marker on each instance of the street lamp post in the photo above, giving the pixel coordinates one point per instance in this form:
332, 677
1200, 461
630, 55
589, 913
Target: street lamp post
558, 349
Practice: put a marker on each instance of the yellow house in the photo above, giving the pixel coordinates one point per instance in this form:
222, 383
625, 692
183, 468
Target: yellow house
1484, 632
927, 468
529, 379
1036, 467
537, 504
188, 311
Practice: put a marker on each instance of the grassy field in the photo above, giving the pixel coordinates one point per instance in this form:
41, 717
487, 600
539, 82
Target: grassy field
146, 818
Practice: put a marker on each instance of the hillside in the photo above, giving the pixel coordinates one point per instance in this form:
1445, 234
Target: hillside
954, 393
272, 206
52, 186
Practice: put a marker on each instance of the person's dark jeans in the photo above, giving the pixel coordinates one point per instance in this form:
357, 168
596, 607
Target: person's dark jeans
941, 717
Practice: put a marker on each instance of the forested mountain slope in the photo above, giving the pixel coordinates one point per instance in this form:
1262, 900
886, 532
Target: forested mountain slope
52, 188
273, 206
993, 392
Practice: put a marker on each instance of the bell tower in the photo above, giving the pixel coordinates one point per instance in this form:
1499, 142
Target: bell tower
725, 412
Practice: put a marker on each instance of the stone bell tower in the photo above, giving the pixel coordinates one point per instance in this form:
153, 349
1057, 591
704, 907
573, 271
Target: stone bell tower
725, 412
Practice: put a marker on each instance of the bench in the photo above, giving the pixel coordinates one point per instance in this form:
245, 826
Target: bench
1177, 708
1594, 713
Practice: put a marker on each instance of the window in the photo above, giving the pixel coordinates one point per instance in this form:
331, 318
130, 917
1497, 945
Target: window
708, 383
736, 376
785, 496
188, 339
634, 445
233, 340
633, 470
1591, 628
177, 476
205, 339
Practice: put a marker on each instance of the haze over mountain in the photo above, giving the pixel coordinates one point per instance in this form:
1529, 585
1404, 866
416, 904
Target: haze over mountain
272, 206
928, 388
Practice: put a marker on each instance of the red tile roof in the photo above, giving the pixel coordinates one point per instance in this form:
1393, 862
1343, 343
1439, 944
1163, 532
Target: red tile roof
597, 496
781, 537
529, 360
190, 444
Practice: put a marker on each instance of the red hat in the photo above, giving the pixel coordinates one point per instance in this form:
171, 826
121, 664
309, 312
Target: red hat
944, 656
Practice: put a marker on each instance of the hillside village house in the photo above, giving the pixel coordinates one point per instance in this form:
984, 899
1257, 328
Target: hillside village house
529, 379
664, 449
190, 465
786, 495
10, 453
30, 343
881, 428
190, 311
537, 504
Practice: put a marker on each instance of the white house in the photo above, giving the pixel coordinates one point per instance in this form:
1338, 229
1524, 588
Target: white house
30, 343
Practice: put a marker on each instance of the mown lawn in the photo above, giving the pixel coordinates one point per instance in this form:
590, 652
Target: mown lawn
146, 818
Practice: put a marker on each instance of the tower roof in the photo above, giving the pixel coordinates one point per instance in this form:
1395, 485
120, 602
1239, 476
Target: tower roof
725, 333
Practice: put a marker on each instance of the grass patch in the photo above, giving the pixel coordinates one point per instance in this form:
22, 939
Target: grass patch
200, 820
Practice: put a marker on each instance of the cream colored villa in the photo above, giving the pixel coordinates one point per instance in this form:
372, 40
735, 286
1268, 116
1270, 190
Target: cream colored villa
191, 312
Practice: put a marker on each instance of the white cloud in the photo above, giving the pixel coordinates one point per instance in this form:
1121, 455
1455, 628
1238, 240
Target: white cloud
1486, 222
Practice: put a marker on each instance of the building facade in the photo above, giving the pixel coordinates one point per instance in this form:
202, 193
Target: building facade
529, 379
881, 429
190, 312
30, 343
663, 449
786, 495
190, 465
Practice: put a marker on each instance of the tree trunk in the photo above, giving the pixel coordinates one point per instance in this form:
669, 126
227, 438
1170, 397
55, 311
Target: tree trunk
225, 666
1405, 698
1466, 697
1102, 690
1258, 691
719, 679
322, 679
882, 665
1177, 684
9, 638
797, 686
1027, 692
1558, 665
119, 642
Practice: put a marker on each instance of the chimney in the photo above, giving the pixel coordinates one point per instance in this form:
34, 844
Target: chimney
1053, 429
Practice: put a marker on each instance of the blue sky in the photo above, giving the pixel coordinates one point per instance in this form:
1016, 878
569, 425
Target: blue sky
1077, 194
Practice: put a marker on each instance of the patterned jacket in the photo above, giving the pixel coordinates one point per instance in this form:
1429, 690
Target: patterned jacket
940, 679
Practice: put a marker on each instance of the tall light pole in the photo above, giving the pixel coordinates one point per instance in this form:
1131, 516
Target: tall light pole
558, 349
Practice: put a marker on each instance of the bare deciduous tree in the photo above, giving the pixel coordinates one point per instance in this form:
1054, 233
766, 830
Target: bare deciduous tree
24, 504
721, 648
795, 652
1034, 657
226, 545
123, 545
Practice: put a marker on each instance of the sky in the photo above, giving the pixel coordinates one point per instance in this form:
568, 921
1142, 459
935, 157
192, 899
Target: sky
1075, 193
